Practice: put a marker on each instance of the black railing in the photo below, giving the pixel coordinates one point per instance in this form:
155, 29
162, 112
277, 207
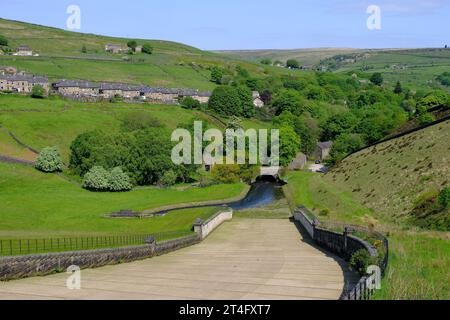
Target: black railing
14, 247
345, 245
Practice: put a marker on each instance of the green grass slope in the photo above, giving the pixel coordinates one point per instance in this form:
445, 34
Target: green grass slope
171, 64
389, 177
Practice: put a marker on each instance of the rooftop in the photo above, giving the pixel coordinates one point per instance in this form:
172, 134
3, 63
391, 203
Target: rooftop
21, 77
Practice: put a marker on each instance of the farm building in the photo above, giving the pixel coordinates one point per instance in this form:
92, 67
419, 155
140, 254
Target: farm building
323, 150
22, 83
173, 95
23, 50
111, 90
115, 48
76, 88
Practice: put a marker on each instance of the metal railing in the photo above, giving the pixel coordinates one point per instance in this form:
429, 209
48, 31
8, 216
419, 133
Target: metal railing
14, 247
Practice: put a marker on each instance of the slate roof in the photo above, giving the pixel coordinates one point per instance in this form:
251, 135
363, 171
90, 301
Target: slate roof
75, 84
325, 145
181, 92
20, 77
119, 86
23, 48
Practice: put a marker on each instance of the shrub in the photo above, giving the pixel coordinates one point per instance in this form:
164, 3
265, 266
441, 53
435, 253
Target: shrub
97, 179
49, 160
444, 197
147, 48
216, 75
190, 103
168, 179
425, 198
426, 118
119, 180
3, 40
360, 261
38, 91
376, 79
293, 64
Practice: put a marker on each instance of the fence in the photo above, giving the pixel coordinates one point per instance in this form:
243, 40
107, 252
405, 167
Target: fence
14, 247
345, 245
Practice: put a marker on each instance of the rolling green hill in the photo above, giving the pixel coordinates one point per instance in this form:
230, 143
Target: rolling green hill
60, 57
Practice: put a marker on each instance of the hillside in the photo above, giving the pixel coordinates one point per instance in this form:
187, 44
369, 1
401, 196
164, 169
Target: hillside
389, 177
60, 57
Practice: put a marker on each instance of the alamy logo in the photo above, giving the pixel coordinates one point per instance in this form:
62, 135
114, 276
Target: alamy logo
74, 20
374, 20
238, 147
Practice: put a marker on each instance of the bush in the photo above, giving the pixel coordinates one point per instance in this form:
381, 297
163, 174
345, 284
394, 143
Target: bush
190, 103
147, 48
216, 75
360, 261
426, 118
168, 179
97, 179
38, 91
425, 198
119, 180
3, 41
49, 160
444, 197
377, 79
293, 64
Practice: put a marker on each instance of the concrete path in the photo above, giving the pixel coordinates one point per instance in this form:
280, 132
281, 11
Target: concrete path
243, 259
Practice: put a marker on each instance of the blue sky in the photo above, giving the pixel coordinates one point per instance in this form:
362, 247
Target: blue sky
251, 24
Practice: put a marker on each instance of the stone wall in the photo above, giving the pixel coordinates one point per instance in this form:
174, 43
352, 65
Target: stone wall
203, 229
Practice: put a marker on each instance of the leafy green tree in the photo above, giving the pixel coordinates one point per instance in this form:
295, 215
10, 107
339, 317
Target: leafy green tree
119, 180
216, 75
132, 44
190, 103
376, 78
168, 179
49, 160
289, 145
83, 49
266, 61
338, 124
147, 48
3, 41
97, 179
242, 72
38, 91
246, 101
444, 197
398, 88
293, 64
226, 101
345, 144
288, 100
426, 118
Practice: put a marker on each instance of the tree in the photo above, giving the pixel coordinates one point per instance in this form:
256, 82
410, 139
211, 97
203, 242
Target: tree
289, 145
289, 100
344, 145
97, 179
119, 180
3, 41
190, 103
338, 124
38, 91
132, 44
444, 197
266, 61
83, 49
246, 101
226, 101
376, 78
293, 64
398, 88
147, 48
168, 179
216, 75
49, 160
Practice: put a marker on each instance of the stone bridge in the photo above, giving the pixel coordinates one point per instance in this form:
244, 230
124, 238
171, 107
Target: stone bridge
270, 171
251, 259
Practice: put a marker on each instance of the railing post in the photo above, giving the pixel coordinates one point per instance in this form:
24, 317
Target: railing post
346, 231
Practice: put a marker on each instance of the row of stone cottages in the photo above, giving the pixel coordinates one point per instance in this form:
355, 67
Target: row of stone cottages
24, 84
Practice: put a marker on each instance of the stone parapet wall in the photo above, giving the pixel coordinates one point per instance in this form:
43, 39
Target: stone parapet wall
203, 229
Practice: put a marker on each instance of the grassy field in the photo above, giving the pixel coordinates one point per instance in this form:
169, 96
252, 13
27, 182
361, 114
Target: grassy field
57, 122
171, 64
35, 204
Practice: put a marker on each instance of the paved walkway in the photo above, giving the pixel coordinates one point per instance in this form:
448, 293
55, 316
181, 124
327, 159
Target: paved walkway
243, 259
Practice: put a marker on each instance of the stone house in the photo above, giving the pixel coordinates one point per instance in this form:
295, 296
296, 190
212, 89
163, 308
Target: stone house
257, 101
138, 49
76, 88
323, 150
22, 83
111, 90
115, 48
165, 95
23, 50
